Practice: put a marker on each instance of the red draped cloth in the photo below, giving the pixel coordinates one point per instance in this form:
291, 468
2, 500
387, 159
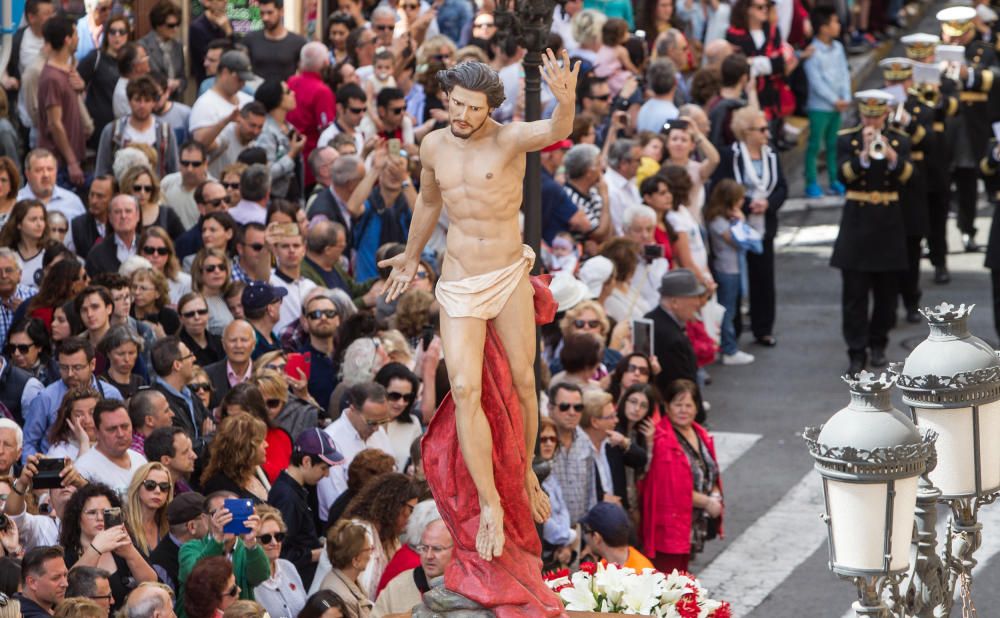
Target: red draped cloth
511, 585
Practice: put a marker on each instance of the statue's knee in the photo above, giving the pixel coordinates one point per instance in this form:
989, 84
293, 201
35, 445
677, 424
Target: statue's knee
524, 378
463, 392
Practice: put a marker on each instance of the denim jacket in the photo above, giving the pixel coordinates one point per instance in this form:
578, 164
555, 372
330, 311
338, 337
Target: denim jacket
829, 76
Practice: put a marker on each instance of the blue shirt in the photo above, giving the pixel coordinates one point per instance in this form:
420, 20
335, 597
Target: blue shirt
377, 226
829, 76
41, 414
322, 375
557, 208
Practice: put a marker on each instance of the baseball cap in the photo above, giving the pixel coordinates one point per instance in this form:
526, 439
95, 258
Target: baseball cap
563, 144
610, 521
258, 295
185, 507
238, 62
318, 443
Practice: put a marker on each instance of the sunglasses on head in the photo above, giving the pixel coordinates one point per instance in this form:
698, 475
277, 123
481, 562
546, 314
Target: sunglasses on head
277, 537
322, 313
194, 312
211, 268
23, 348
190, 163
151, 485
156, 251
587, 323
565, 407
200, 386
394, 396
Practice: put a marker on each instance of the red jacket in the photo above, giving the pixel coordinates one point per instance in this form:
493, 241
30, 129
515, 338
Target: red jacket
667, 493
315, 109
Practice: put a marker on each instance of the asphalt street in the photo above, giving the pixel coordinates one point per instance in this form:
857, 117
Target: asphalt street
773, 560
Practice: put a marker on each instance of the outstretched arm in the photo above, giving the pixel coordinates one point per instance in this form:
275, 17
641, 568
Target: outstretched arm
426, 212
532, 136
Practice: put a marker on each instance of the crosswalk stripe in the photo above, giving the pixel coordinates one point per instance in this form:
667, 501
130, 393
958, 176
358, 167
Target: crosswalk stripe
730, 446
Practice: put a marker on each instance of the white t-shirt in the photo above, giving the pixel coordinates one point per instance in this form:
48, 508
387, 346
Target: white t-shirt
97, 468
31, 46
211, 107
134, 136
119, 99
228, 148
349, 444
682, 221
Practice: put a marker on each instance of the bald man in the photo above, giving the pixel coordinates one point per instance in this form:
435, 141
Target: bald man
150, 601
238, 341
715, 52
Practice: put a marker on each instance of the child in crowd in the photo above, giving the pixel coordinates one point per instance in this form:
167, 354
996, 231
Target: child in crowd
563, 256
613, 61
724, 208
829, 95
382, 75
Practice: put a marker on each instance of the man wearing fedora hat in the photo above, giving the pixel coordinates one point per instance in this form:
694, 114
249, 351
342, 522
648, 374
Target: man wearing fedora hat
680, 298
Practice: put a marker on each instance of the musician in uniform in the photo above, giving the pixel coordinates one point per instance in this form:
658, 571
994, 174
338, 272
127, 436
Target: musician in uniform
935, 109
873, 163
973, 82
989, 166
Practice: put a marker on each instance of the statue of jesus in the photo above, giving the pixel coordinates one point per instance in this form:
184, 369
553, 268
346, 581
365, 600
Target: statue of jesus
475, 169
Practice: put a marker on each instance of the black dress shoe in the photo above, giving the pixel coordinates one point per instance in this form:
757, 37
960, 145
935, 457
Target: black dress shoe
969, 241
878, 358
941, 275
855, 366
767, 340
913, 316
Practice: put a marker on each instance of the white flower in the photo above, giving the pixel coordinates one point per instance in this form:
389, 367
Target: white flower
579, 599
610, 581
642, 593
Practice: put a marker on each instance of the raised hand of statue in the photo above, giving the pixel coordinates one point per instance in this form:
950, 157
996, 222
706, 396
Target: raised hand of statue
560, 79
403, 272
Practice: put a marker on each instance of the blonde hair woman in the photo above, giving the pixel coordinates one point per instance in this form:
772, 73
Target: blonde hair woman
145, 507
283, 593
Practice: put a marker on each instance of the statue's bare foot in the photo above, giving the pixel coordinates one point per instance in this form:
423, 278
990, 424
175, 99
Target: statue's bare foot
490, 538
538, 502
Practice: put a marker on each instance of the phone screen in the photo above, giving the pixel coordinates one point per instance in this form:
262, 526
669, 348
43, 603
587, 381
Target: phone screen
642, 336
241, 509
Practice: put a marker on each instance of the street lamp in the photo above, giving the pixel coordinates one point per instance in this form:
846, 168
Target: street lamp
870, 456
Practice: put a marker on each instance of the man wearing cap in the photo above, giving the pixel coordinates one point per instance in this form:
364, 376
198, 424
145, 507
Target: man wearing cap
559, 213
914, 119
289, 250
680, 299
221, 103
972, 130
188, 520
873, 163
934, 110
605, 530
312, 457
262, 308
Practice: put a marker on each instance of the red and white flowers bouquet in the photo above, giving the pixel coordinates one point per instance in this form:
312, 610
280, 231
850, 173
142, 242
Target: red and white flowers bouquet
613, 589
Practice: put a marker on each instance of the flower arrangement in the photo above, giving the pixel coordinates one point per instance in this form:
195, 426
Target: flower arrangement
613, 589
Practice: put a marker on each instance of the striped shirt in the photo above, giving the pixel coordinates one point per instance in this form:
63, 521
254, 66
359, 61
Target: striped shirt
590, 203
22, 293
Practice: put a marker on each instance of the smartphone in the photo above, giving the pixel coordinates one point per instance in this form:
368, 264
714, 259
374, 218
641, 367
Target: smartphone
426, 336
113, 517
642, 336
395, 146
47, 477
298, 361
241, 509
652, 251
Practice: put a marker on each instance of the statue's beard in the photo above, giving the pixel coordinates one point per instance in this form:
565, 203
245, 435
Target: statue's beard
470, 132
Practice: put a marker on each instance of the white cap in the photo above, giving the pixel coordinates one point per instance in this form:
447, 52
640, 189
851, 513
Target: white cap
986, 14
957, 14
595, 272
568, 291
879, 95
920, 38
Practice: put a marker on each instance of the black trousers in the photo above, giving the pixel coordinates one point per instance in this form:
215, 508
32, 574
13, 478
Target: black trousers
909, 280
965, 184
862, 331
760, 275
995, 279
938, 204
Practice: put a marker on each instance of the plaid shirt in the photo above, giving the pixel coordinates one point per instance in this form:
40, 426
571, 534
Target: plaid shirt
239, 274
574, 467
22, 293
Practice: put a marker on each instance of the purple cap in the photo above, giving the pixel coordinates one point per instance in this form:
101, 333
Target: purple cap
258, 295
318, 443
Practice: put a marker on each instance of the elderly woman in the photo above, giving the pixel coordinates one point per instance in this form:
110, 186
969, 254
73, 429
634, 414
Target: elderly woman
639, 225
152, 295
349, 547
192, 310
121, 346
156, 246
586, 27
58, 226
682, 492
282, 594
751, 162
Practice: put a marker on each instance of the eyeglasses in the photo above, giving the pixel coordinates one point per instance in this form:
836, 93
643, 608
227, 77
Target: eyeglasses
587, 323
194, 312
190, 163
94, 513
143, 188
219, 201
565, 407
273, 403
548, 440
356, 110
211, 268
151, 485
156, 251
602, 97
118, 31
277, 537
171, 24
59, 230
232, 592
397, 110
227, 185
256, 246
200, 386
322, 313
103, 597
394, 396
432, 549
440, 57
22, 348
643, 371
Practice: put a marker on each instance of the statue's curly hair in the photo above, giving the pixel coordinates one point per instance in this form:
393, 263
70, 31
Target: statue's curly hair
475, 76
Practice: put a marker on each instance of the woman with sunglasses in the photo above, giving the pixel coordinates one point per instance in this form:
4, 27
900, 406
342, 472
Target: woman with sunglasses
401, 386
145, 508
201, 386
283, 593
210, 275
73, 432
246, 398
193, 312
230, 181
557, 533
58, 226
29, 348
142, 183
588, 317
634, 368
287, 411
88, 542
99, 70
210, 589
156, 246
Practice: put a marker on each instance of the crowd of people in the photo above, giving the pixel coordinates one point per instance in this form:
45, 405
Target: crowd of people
210, 408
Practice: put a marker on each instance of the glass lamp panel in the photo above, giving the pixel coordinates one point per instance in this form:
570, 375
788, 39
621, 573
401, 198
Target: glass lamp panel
989, 445
857, 519
955, 474
903, 507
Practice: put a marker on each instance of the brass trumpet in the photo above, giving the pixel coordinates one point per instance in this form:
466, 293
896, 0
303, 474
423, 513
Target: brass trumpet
876, 149
928, 94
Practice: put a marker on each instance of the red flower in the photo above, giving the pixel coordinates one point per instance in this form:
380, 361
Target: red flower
588, 567
723, 612
687, 606
557, 574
